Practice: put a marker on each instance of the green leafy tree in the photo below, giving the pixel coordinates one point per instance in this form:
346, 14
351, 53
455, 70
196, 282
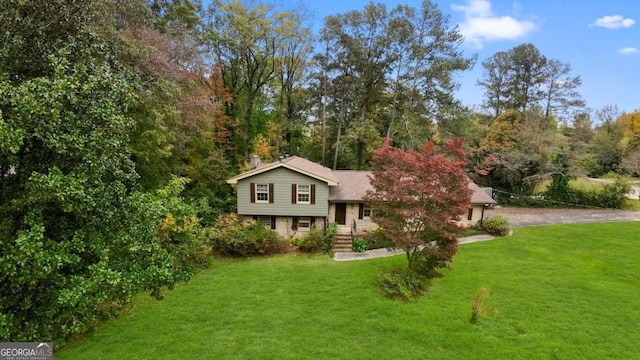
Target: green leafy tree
244, 38
513, 79
164, 54
605, 152
425, 94
516, 151
523, 79
292, 66
387, 72
77, 239
68, 234
560, 91
362, 51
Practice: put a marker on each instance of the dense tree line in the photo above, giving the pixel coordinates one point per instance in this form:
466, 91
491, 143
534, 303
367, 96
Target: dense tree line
121, 120
95, 100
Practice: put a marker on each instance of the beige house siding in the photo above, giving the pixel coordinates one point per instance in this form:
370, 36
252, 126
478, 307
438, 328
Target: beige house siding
282, 179
353, 211
284, 223
365, 225
475, 216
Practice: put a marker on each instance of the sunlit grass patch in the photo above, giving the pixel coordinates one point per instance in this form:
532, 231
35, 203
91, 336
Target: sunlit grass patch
564, 291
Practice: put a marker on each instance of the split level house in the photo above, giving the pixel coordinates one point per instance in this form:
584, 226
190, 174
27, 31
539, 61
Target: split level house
294, 195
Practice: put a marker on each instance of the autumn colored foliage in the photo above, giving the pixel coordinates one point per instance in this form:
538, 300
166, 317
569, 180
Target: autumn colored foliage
418, 197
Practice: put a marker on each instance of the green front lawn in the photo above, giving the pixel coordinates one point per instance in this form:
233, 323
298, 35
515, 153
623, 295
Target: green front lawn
556, 292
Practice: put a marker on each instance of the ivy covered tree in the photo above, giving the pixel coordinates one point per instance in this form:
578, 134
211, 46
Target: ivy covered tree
417, 198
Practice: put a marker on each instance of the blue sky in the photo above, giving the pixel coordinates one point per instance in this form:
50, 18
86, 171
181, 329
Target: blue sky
600, 39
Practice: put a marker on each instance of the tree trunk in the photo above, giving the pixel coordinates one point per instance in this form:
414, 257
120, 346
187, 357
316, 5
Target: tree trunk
324, 118
359, 143
359, 149
393, 105
247, 123
547, 111
340, 120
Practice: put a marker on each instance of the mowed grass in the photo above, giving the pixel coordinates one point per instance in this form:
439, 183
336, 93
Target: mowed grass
556, 292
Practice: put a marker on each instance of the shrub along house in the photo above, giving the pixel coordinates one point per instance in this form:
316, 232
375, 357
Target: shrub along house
294, 195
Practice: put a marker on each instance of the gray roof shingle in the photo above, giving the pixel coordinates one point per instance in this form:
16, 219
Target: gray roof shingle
310, 167
294, 163
478, 195
352, 185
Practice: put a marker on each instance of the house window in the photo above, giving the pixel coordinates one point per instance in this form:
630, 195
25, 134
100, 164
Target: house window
304, 194
470, 214
262, 193
265, 220
364, 211
304, 223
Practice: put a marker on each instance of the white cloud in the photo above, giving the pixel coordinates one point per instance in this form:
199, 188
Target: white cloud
628, 51
482, 25
613, 22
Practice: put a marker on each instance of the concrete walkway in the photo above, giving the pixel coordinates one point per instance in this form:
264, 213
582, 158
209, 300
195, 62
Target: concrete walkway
377, 253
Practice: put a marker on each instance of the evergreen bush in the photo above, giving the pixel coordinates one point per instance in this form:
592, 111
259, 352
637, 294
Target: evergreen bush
234, 238
403, 284
496, 225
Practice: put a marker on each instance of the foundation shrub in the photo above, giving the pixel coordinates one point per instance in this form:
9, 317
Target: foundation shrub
311, 242
359, 245
316, 240
233, 238
496, 225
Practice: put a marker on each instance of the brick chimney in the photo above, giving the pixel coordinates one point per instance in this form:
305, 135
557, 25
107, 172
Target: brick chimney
255, 161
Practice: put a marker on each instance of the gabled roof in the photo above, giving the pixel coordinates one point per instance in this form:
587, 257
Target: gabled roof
479, 196
353, 186
345, 185
293, 163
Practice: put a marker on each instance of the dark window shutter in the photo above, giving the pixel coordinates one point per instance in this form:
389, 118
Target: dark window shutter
273, 223
361, 211
252, 189
312, 222
470, 214
294, 223
313, 194
271, 193
294, 195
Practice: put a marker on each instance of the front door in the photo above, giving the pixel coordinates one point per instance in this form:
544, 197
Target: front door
341, 213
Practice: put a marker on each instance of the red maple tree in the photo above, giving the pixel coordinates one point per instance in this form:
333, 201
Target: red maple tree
418, 198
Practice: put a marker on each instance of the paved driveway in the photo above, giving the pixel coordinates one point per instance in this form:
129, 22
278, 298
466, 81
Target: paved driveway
534, 216
519, 217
